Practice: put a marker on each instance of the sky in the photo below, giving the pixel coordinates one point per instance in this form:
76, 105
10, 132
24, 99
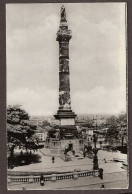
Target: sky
97, 57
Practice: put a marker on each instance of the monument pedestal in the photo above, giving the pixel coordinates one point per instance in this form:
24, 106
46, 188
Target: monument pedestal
57, 149
67, 126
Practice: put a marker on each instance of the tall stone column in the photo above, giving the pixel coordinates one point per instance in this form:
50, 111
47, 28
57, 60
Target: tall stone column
63, 37
64, 114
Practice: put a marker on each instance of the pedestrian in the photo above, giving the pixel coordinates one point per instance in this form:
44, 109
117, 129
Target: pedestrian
84, 154
42, 180
101, 173
102, 187
53, 159
73, 152
105, 160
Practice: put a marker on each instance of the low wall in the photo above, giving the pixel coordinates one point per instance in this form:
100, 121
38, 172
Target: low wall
51, 177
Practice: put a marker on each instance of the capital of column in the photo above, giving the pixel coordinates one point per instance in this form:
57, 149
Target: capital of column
63, 34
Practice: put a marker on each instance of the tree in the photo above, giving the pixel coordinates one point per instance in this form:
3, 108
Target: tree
122, 119
111, 121
112, 124
115, 124
19, 129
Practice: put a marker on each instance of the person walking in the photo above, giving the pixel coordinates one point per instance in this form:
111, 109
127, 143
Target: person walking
53, 159
101, 173
102, 187
105, 160
42, 180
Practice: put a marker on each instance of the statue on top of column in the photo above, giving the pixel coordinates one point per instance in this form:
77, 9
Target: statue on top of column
63, 14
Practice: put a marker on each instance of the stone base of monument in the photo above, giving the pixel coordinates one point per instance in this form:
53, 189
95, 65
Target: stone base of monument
62, 147
74, 145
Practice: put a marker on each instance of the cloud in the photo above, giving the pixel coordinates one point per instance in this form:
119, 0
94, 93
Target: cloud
32, 55
99, 100
35, 103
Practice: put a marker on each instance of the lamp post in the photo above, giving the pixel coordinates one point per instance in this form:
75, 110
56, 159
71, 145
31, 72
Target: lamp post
95, 151
96, 122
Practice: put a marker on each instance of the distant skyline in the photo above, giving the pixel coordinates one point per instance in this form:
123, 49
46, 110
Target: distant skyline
97, 57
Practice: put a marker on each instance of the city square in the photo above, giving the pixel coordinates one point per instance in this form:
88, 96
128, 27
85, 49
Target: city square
67, 148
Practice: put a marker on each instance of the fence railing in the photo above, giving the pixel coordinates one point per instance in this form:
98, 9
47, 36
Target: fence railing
52, 177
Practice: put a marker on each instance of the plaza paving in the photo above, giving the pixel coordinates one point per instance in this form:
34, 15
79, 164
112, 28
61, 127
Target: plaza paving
46, 164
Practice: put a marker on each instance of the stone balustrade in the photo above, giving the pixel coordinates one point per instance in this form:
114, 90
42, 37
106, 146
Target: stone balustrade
53, 177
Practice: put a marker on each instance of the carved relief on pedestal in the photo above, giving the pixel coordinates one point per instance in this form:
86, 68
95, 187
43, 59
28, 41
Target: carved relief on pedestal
64, 100
64, 65
64, 50
64, 82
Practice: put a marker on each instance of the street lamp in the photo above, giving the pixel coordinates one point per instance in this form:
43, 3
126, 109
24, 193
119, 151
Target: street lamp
96, 122
95, 151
